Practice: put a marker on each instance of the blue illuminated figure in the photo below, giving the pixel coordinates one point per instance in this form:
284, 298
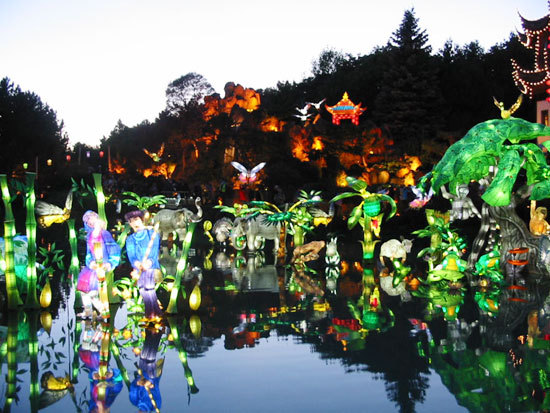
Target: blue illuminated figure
143, 250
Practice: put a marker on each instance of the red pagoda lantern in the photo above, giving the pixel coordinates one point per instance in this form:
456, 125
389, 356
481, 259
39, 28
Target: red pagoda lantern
345, 109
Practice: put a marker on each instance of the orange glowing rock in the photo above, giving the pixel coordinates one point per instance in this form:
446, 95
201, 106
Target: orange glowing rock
345, 109
341, 180
235, 95
299, 143
164, 169
317, 144
272, 124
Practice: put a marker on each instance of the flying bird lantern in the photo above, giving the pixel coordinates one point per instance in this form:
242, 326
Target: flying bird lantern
247, 176
155, 156
507, 113
49, 214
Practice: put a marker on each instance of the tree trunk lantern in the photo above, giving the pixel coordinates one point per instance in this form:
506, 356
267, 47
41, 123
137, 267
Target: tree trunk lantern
345, 109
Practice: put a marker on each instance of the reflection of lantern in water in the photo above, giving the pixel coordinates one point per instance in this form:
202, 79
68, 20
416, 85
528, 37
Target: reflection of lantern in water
195, 325
517, 261
46, 321
195, 298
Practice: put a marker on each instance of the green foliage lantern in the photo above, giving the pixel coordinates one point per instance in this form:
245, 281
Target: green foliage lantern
367, 214
496, 145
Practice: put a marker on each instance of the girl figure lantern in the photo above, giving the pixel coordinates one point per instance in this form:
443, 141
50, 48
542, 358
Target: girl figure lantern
143, 249
103, 390
144, 390
102, 255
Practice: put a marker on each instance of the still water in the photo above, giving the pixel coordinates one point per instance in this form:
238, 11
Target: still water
270, 338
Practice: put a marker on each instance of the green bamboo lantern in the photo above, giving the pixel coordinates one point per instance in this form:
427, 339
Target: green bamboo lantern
100, 197
182, 354
115, 351
11, 376
31, 300
182, 264
75, 264
34, 396
104, 354
75, 367
14, 300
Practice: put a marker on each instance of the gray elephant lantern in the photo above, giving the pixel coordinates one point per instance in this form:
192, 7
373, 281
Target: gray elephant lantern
177, 220
247, 232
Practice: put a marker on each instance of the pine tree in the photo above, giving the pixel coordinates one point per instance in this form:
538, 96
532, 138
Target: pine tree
409, 98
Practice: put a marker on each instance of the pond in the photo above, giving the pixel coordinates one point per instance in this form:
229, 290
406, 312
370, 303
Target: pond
318, 337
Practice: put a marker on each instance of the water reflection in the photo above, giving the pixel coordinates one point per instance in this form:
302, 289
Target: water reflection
487, 341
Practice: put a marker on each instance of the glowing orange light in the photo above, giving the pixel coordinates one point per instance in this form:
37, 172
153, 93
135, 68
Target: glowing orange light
341, 180
317, 144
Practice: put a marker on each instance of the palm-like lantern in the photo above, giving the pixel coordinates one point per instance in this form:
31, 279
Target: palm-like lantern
367, 213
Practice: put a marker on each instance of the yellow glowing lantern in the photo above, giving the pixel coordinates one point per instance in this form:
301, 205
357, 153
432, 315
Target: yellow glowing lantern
46, 295
195, 298
49, 162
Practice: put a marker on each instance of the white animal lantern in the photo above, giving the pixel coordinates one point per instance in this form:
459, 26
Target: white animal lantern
395, 249
331, 255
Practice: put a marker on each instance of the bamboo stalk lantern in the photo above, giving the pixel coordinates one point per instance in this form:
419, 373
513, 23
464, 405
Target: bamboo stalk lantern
14, 300
31, 300
182, 264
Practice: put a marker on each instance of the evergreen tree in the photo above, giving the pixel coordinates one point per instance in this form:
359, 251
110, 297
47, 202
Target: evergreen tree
29, 129
409, 100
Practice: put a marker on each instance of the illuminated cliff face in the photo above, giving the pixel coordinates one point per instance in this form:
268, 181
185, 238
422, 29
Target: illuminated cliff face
272, 124
235, 95
116, 167
165, 169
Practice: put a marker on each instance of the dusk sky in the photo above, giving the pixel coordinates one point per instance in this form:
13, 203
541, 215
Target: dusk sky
96, 62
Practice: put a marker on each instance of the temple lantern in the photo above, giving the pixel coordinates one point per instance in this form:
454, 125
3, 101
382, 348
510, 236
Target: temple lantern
101, 153
536, 37
345, 109
68, 157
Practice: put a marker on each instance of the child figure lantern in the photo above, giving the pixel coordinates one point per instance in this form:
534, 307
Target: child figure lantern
102, 256
143, 249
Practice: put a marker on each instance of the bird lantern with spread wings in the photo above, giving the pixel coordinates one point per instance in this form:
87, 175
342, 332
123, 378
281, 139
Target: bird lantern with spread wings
345, 109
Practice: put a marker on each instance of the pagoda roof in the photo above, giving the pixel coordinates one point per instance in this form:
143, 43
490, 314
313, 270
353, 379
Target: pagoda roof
345, 106
535, 25
530, 82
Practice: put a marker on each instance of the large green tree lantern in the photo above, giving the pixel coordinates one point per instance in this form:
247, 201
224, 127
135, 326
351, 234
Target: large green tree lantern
493, 153
368, 213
